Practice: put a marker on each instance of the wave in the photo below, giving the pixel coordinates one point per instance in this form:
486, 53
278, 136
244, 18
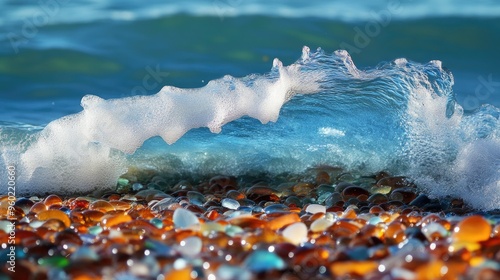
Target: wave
400, 116
51, 12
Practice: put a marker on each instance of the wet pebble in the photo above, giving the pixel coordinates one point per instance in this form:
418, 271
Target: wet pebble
230, 203
185, 219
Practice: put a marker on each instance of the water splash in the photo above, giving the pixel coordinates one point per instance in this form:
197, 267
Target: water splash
400, 116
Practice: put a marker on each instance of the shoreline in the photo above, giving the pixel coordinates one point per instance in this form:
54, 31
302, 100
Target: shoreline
321, 225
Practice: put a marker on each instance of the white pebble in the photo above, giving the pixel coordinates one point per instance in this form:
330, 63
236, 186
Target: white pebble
320, 225
295, 233
315, 208
190, 246
230, 203
185, 219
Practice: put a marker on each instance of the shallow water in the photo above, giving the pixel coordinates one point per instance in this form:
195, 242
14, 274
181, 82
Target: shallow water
370, 113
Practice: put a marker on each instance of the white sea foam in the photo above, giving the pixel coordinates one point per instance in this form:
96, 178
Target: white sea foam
84, 151
400, 117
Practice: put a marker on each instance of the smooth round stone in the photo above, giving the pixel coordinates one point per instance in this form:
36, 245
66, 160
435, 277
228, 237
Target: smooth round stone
95, 230
325, 189
230, 203
320, 225
283, 220
295, 233
358, 253
275, 208
148, 192
25, 204
55, 261
185, 219
353, 192
113, 220
210, 227
375, 220
434, 231
196, 198
163, 204
38, 207
263, 261
395, 182
236, 195
84, 253
293, 200
257, 209
246, 202
156, 222
52, 200
101, 205
137, 187
378, 198
323, 197
472, 229
341, 186
190, 246
333, 199
405, 195
232, 230
54, 214
420, 201
230, 272
315, 208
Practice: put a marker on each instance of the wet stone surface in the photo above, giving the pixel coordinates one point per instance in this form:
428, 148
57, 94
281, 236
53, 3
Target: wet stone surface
325, 226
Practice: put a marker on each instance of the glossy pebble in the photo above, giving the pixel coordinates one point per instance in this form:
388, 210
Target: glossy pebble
472, 229
190, 246
185, 219
262, 261
315, 208
113, 220
320, 225
230, 203
54, 214
295, 233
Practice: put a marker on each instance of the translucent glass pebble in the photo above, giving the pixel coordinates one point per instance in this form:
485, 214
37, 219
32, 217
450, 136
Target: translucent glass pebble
434, 231
230, 203
315, 208
113, 220
276, 208
137, 187
472, 229
320, 225
95, 230
230, 272
162, 204
295, 233
156, 222
84, 253
196, 198
262, 261
190, 246
185, 219
54, 214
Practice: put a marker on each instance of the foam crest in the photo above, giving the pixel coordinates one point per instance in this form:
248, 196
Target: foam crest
85, 151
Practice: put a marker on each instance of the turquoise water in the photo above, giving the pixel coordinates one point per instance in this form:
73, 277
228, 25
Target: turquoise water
376, 112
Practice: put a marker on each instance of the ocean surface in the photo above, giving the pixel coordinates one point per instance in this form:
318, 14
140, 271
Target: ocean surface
89, 89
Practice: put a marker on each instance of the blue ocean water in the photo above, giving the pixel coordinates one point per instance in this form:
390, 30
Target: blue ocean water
416, 93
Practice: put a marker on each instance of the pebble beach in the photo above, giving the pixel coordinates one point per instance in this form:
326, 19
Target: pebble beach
321, 225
